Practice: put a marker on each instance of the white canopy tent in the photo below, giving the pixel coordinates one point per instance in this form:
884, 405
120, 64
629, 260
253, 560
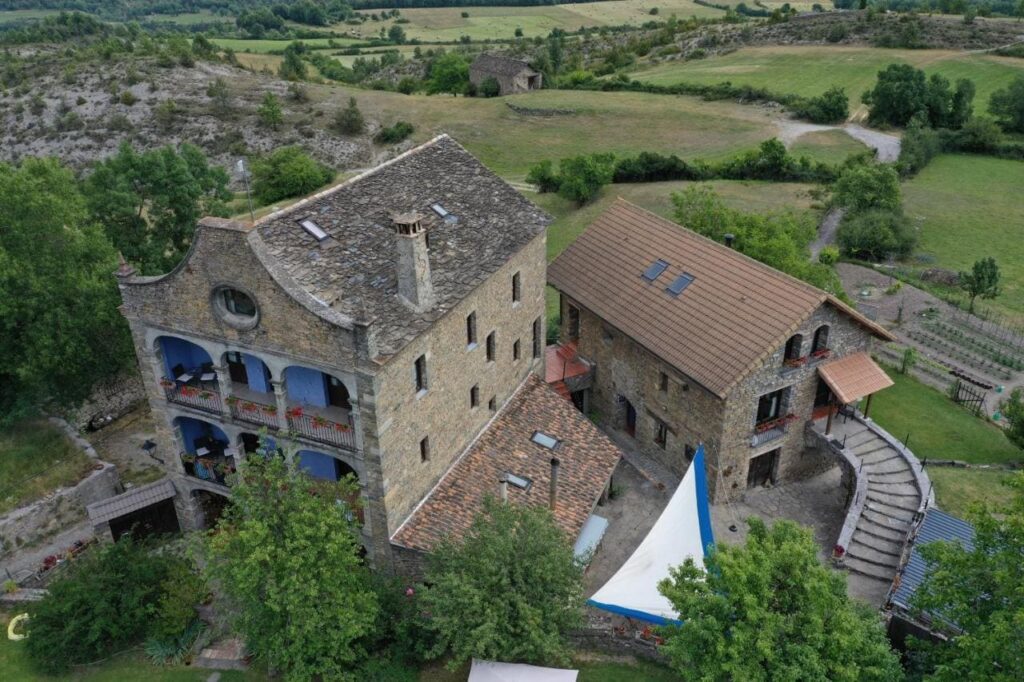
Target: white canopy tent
492, 671
683, 530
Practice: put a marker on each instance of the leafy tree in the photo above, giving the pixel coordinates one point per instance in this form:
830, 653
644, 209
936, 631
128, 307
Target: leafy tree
269, 111
149, 203
543, 175
292, 67
449, 73
902, 92
286, 554
1013, 411
769, 610
489, 87
488, 598
876, 234
349, 121
980, 590
982, 280
1007, 104
580, 178
864, 187
287, 172
60, 330
396, 34
107, 601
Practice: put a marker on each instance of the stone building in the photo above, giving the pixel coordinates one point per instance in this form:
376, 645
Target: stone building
689, 341
513, 75
382, 328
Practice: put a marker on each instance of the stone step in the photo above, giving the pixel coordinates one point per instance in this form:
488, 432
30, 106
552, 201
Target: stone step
884, 478
880, 518
889, 509
893, 547
896, 465
872, 555
855, 565
905, 490
881, 455
869, 448
881, 530
857, 438
228, 654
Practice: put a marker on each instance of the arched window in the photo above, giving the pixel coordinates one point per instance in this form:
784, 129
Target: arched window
820, 345
793, 347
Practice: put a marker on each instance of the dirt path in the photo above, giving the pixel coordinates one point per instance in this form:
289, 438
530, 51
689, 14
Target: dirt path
827, 231
886, 146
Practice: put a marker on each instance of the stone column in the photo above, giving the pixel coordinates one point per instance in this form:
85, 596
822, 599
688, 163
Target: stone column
224, 384
281, 395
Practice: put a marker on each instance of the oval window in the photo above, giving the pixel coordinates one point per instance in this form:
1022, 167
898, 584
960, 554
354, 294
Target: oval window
235, 307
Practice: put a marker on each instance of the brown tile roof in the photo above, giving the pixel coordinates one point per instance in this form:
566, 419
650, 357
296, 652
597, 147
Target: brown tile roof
132, 500
854, 377
587, 460
734, 314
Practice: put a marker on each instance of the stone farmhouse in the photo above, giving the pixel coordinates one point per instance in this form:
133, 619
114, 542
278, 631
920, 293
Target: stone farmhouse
513, 75
672, 339
390, 327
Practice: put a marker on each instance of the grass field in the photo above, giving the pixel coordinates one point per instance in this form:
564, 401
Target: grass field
446, 24
36, 458
957, 490
25, 14
969, 207
938, 428
827, 146
267, 46
189, 18
812, 70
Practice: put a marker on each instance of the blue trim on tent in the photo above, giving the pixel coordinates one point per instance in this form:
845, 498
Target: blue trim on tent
633, 613
707, 536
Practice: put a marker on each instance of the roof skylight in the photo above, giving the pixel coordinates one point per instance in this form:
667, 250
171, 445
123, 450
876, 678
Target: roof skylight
313, 229
519, 481
681, 282
444, 214
544, 440
654, 270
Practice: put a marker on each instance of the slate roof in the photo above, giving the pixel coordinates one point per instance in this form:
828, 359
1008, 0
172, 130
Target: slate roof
853, 377
587, 458
936, 526
352, 273
500, 65
132, 500
733, 315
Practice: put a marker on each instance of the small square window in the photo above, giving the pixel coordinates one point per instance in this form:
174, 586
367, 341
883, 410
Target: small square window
421, 373
663, 382
474, 396
517, 288
492, 404
515, 350
425, 449
491, 346
471, 329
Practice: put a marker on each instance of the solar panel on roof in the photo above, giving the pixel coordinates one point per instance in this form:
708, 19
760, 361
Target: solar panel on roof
654, 270
680, 283
313, 229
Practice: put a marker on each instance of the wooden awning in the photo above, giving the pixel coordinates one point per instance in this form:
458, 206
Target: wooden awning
854, 377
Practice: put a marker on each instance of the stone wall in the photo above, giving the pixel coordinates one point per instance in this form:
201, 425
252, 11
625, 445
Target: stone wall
36, 522
110, 399
410, 564
443, 412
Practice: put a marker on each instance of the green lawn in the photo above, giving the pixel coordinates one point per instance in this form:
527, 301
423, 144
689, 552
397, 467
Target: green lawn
812, 70
956, 490
264, 46
938, 428
36, 458
969, 207
827, 146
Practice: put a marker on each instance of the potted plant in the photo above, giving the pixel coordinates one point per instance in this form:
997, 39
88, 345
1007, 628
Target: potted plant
270, 409
319, 421
166, 383
232, 400
342, 427
295, 412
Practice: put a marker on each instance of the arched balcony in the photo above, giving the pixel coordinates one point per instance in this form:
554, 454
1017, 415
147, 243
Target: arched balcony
189, 377
206, 450
319, 407
327, 468
250, 391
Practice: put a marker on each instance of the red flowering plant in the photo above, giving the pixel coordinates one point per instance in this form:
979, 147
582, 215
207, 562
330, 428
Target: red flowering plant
167, 383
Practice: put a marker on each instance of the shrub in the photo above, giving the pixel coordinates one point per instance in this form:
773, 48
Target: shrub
582, 177
979, 135
349, 121
489, 87
830, 107
407, 85
829, 255
269, 111
919, 146
104, 603
653, 167
543, 176
128, 98
876, 234
287, 172
1007, 105
864, 187
396, 133
837, 33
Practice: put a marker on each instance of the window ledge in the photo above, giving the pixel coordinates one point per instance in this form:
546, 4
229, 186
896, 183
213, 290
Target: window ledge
471, 346
420, 393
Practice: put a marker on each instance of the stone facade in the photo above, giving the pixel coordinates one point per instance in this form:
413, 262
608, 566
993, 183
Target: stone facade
659, 394
513, 75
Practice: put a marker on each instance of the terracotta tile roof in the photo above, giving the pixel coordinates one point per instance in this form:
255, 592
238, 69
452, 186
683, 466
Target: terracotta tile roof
563, 362
734, 313
854, 377
587, 460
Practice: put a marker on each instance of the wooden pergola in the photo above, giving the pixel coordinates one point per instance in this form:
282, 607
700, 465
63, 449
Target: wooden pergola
852, 378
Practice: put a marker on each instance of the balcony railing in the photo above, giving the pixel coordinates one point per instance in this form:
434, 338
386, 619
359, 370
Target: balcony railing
770, 430
253, 412
321, 429
217, 469
199, 397
821, 354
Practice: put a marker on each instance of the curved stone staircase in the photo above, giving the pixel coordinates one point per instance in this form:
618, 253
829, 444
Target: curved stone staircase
893, 497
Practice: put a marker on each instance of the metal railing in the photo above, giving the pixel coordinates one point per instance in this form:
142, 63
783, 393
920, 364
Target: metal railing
321, 429
767, 435
254, 412
201, 398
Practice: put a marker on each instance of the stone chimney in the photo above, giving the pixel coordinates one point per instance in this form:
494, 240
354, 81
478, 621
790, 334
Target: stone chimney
415, 288
554, 482
503, 487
